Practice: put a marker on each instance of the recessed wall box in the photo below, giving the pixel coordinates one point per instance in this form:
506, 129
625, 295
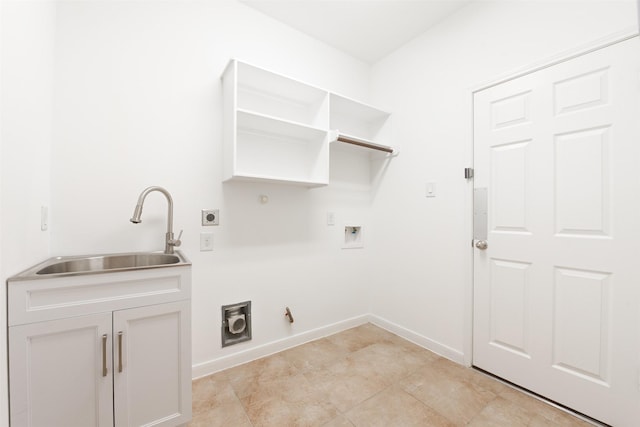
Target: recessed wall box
236, 323
353, 237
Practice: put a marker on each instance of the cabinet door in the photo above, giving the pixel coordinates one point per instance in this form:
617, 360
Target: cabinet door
152, 365
59, 373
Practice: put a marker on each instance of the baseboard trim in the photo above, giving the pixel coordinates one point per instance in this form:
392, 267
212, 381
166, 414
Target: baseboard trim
434, 346
212, 366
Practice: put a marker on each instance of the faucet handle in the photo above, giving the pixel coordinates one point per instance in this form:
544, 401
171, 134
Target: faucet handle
176, 242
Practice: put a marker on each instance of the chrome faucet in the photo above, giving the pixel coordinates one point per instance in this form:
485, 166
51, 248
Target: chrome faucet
170, 242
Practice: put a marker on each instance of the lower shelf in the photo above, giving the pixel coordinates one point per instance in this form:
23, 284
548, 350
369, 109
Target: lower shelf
276, 180
300, 157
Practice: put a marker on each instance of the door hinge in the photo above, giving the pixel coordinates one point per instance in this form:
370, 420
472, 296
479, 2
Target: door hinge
468, 173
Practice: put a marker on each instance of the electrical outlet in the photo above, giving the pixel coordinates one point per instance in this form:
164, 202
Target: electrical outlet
210, 217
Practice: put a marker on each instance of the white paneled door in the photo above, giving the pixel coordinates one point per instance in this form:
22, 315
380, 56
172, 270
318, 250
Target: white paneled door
557, 289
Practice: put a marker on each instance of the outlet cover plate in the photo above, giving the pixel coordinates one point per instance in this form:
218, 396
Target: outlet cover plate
210, 217
206, 241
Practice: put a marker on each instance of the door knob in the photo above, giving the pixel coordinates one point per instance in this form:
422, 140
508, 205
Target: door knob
482, 244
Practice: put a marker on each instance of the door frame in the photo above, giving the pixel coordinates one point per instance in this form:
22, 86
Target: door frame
592, 46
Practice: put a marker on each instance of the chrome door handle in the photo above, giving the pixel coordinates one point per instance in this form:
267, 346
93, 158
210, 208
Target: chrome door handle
104, 355
120, 351
482, 244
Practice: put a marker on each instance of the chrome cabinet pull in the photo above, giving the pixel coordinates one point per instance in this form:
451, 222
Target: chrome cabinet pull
120, 351
104, 355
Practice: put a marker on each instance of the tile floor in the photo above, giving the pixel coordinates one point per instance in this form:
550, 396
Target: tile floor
364, 376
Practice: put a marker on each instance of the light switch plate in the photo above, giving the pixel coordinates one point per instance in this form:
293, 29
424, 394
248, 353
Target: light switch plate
431, 189
206, 242
44, 218
331, 218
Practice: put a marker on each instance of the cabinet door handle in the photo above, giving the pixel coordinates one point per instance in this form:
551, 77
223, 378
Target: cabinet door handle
104, 355
120, 351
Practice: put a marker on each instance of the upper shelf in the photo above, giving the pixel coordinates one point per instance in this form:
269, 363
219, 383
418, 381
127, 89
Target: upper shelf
343, 106
280, 97
358, 120
261, 123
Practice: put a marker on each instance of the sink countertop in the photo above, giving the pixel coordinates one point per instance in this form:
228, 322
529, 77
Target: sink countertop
32, 272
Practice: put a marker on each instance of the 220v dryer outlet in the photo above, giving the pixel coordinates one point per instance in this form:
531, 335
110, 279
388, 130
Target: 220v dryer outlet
210, 217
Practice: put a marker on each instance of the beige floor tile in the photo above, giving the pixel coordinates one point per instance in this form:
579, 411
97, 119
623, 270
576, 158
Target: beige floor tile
564, 420
276, 413
290, 389
215, 404
247, 377
544, 411
502, 412
359, 337
211, 391
386, 362
314, 355
339, 421
452, 397
344, 384
476, 379
394, 407
221, 416
287, 400
365, 376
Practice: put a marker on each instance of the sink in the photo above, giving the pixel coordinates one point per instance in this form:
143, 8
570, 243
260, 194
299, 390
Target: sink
109, 262
91, 264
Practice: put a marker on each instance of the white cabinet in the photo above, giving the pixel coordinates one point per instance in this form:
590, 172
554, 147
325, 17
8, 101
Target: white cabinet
151, 372
56, 373
279, 129
82, 356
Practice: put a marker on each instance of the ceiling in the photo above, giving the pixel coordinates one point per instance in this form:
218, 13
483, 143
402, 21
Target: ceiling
365, 29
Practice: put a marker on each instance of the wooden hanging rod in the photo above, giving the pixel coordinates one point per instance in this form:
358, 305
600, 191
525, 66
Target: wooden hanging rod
365, 144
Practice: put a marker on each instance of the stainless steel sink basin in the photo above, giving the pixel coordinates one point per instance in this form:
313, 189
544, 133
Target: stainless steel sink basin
109, 262
91, 264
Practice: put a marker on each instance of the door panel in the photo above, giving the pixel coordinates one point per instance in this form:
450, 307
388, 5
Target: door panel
582, 162
150, 388
582, 326
56, 373
509, 165
509, 316
556, 293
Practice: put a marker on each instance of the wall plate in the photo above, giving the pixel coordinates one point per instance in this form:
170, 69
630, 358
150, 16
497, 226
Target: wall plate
210, 217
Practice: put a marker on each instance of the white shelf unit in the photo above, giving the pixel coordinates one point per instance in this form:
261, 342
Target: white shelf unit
360, 122
279, 129
275, 128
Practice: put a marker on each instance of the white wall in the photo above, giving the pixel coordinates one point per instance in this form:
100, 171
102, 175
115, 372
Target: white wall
106, 98
26, 101
427, 85
138, 103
